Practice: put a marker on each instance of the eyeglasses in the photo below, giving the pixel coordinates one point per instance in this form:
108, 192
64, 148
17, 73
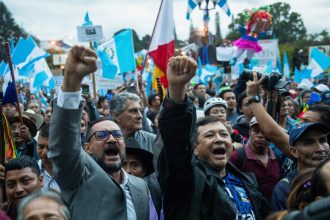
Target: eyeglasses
104, 135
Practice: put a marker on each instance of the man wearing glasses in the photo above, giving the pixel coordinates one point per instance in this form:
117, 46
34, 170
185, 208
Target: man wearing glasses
92, 180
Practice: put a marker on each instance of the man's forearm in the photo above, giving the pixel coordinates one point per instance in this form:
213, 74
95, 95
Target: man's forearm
271, 129
177, 93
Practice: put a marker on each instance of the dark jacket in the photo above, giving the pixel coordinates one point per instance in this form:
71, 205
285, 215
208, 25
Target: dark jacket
195, 190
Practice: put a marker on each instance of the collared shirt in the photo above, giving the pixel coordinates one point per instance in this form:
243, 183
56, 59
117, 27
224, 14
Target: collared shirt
49, 181
267, 177
129, 200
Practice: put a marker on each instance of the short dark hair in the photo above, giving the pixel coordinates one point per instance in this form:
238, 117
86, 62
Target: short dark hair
21, 163
323, 110
44, 131
89, 131
240, 100
223, 92
204, 121
151, 98
319, 181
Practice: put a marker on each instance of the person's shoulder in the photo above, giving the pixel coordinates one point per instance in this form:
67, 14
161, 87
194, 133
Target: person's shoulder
136, 181
145, 134
241, 119
282, 184
234, 157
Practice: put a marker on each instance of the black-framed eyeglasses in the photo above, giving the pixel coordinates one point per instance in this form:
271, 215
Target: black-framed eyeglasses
104, 135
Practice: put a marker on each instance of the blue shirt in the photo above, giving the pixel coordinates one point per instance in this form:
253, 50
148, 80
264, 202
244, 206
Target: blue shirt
236, 191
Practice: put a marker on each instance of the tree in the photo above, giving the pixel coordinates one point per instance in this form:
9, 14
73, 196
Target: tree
146, 41
287, 26
8, 29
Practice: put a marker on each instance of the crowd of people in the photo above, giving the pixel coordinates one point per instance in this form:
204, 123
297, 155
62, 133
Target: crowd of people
192, 153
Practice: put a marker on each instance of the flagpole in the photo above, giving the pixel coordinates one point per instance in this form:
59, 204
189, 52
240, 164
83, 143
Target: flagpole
93, 75
152, 35
10, 63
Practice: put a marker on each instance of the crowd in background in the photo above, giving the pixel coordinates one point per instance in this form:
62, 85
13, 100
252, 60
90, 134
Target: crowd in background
205, 154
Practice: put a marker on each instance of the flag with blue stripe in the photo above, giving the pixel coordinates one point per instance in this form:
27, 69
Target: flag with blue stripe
39, 79
224, 5
286, 67
4, 68
191, 6
119, 50
109, 69
320, 62
301, 75
269, 67
22, 51
26, 54
87, 21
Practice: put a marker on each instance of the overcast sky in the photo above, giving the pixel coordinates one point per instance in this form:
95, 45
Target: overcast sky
57, 19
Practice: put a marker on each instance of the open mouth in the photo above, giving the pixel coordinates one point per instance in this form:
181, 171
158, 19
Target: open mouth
111, 150
219, 151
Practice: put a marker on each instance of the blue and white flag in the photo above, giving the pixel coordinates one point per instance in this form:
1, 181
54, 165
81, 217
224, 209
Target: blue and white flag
286, 67
269, 67
207, 72
87, 21
26, 53
320, 62
224, 5
41, 75
120, 50
4, 68
299, 76
191, 6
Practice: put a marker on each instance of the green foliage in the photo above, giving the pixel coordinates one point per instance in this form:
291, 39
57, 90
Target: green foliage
287, 26
8, 29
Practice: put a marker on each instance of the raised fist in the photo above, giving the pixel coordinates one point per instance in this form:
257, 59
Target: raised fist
80, 62
180, 70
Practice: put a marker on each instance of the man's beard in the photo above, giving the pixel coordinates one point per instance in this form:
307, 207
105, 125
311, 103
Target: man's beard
113, 167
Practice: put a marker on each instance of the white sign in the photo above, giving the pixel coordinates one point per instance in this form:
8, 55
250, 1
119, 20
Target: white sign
90, 33
59, 59
269, 52
225, 53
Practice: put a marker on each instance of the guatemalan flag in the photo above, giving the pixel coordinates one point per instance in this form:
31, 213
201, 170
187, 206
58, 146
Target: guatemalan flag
191, 6
286, 67
117, 54
26, 53
320, 62
224, 5
162, 43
